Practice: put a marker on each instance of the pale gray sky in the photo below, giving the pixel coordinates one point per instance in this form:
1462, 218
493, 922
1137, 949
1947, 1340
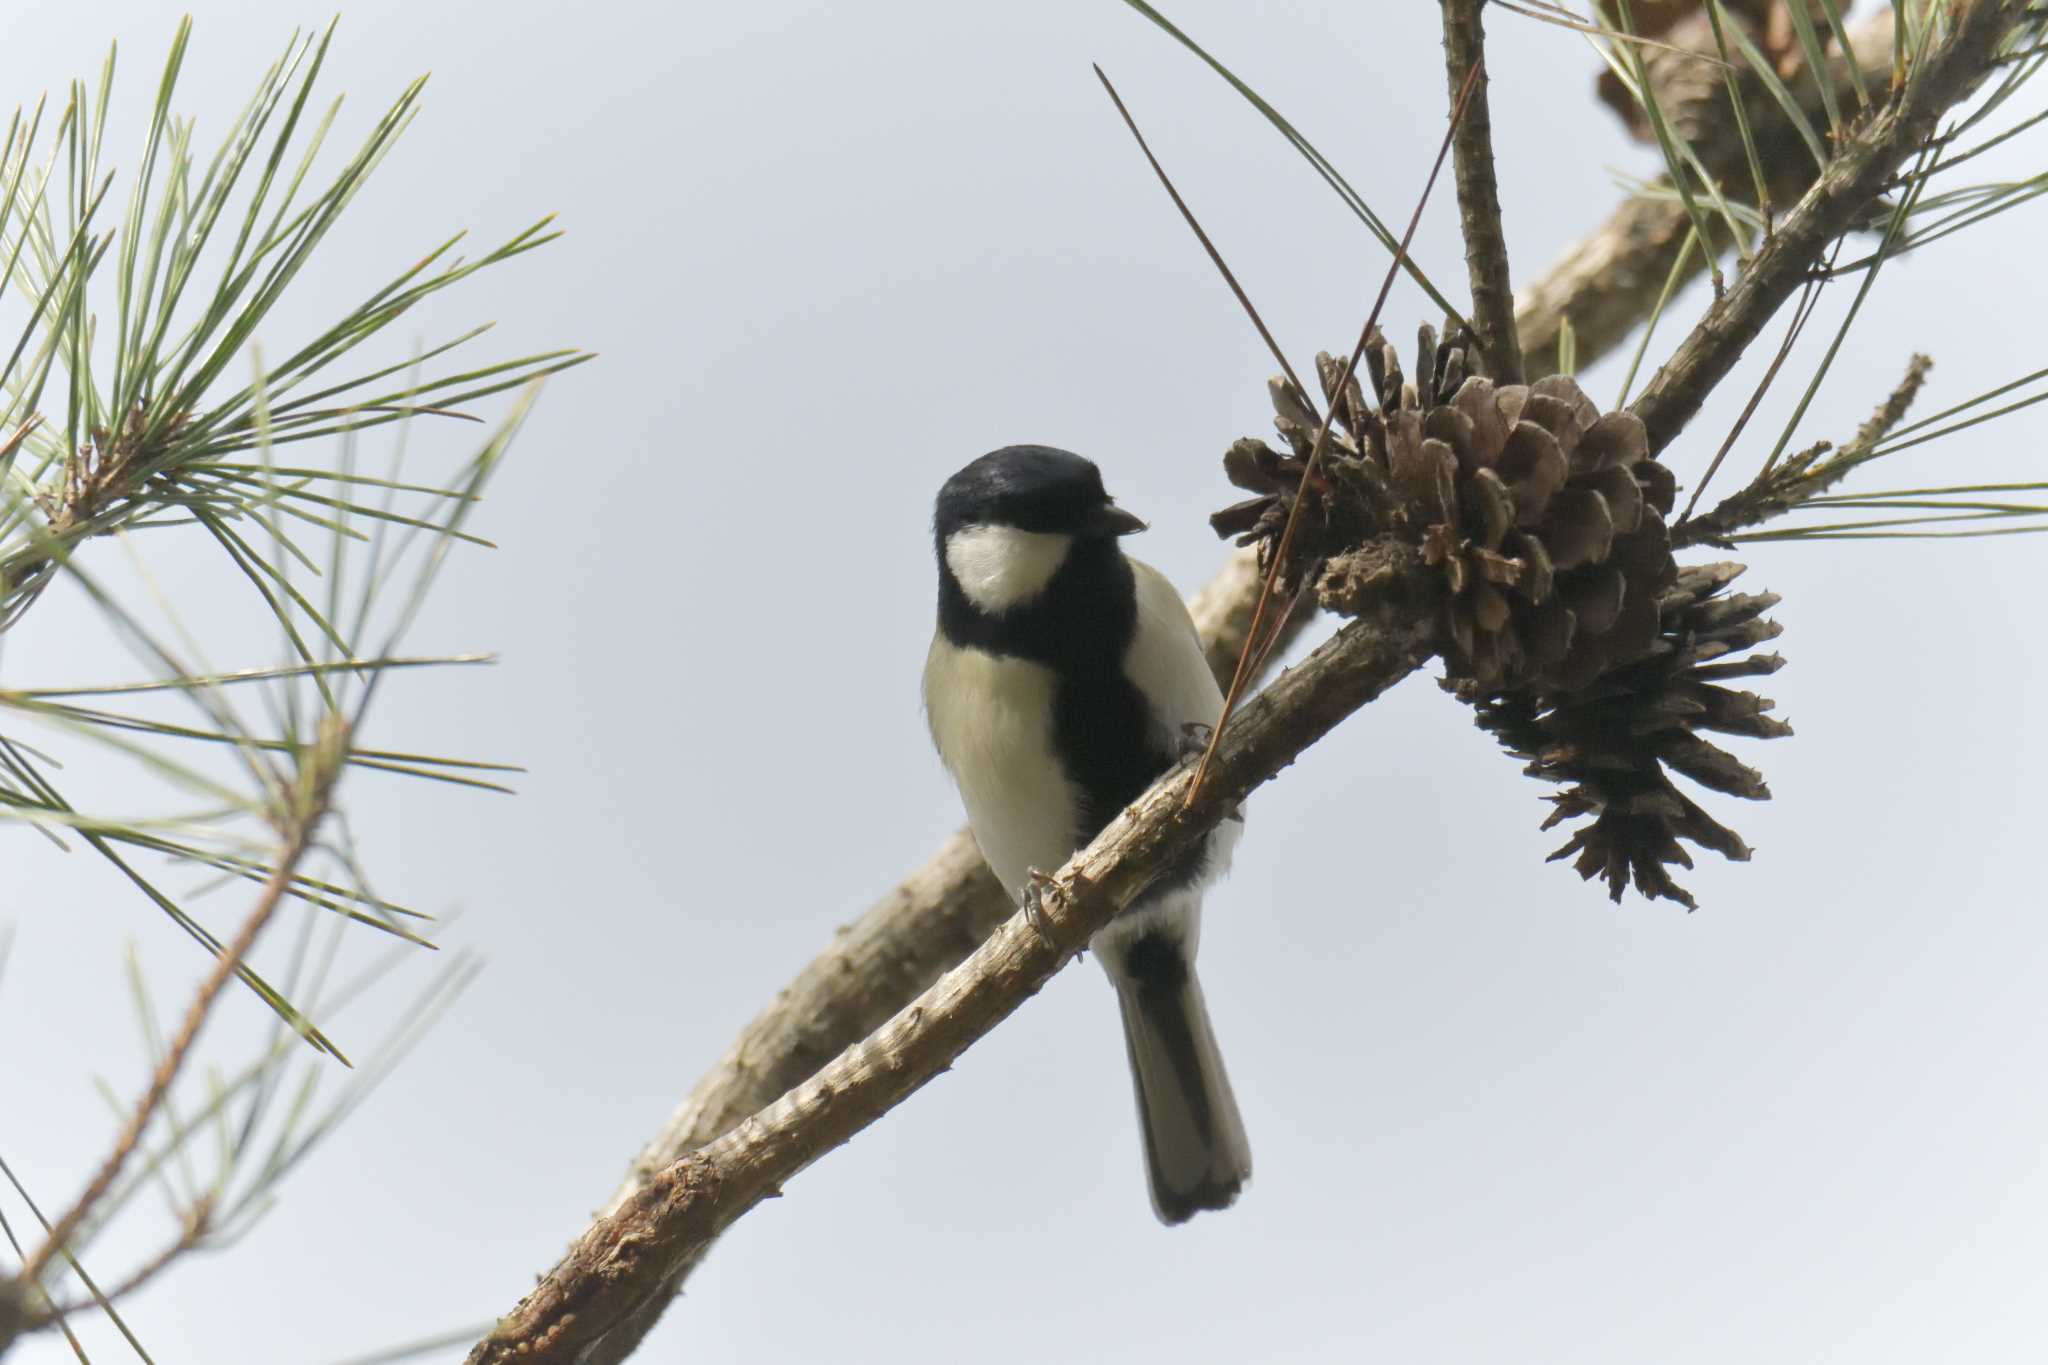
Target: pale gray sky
832, 252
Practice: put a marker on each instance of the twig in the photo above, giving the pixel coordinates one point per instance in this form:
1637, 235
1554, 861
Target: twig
1889, 413
1855, 175
198, 1223
626, 1257
14, 1294
1784, 487
298, 841
1486, 249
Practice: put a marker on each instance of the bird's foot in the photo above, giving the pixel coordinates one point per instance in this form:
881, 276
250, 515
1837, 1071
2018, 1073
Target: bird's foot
1033, 903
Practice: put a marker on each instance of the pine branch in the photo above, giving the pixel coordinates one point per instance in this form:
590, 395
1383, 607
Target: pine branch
159, 433
311, 793
1786, 486
1606, 283
1855, 175
1486, 249
938, 914
634, 1252
194, 1226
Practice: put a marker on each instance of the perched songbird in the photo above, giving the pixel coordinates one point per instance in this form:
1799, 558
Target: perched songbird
1064, 678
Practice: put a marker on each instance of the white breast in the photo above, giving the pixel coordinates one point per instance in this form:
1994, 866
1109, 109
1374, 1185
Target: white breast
1166, 661
991, 717
1165, 658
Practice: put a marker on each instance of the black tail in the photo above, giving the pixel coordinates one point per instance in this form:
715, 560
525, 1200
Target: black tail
1196, 1154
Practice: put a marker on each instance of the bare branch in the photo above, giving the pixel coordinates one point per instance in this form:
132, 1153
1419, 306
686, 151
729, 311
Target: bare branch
1486, 249
633, 1253
299, 827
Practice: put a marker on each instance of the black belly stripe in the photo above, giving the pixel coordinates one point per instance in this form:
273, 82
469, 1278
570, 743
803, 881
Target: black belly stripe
1100, 724
1104, 730
1080, 627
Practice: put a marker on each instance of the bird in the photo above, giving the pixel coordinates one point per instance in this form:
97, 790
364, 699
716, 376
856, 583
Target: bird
1063, 678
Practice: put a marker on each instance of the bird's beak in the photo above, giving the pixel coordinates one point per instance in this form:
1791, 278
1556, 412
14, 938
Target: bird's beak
1111, 520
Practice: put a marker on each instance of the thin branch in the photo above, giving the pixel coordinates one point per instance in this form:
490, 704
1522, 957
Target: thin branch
1804, 477
299, 840
1486, 249
197, 1226
1854, 176
630, 1255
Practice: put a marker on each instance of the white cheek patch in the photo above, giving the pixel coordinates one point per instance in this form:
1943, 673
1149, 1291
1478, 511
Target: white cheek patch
1001, 567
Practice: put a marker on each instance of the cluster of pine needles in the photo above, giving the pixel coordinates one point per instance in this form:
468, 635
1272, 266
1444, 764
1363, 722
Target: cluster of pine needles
135, 397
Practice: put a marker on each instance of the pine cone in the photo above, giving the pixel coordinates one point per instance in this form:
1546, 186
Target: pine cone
1329, 523
1544, 516
1618, 739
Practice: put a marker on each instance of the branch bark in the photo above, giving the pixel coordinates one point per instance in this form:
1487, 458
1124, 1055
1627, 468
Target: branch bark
58, 1241
312, 788
1486, 248
632, 1253
1607, 282
1855, 175
940, 913
922, 927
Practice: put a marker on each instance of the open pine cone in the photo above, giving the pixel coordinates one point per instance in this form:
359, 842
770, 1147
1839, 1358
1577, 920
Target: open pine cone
1544, 515
1583, 646
1617, 740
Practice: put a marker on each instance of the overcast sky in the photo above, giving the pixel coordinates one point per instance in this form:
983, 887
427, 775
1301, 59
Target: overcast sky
831, 252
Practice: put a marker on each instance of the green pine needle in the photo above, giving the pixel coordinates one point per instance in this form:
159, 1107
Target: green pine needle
1353, 200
